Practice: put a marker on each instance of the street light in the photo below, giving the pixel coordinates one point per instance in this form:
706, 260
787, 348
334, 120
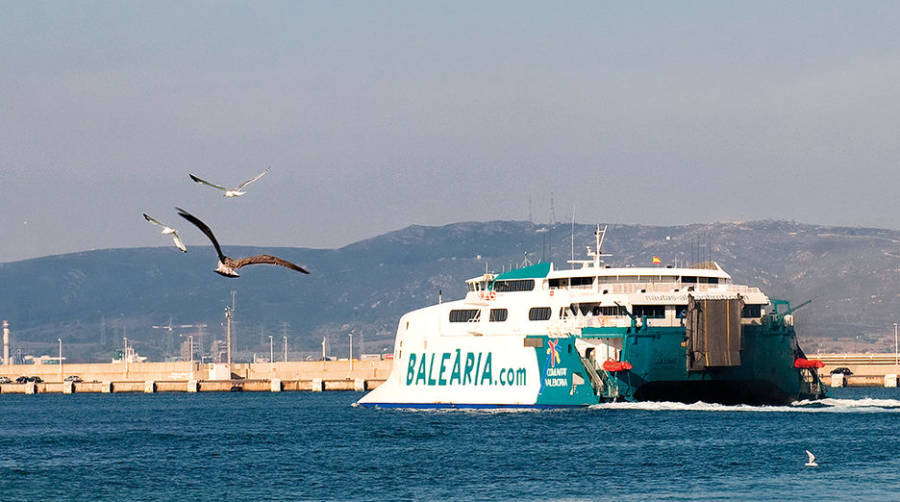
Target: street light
191, 350
285, 348
60, 359
896, 352
351, 351
271, 355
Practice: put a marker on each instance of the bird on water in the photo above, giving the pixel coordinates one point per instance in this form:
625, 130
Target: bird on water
227, 266
812, 460
167, 230
230, 192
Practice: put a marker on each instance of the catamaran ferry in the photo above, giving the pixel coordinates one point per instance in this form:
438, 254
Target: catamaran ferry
539, 337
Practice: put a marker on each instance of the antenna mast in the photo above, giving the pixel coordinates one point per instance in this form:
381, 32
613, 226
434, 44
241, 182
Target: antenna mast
573, 235
596, 254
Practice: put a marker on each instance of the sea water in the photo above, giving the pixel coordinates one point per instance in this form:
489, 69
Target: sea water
317, 446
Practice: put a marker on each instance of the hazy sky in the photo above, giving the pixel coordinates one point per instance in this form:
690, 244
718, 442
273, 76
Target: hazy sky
377, 115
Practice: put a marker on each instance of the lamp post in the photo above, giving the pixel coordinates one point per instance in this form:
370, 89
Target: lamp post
60, 359
229, 313
271, 356
285, 348
351, 351
896, 352
191, 350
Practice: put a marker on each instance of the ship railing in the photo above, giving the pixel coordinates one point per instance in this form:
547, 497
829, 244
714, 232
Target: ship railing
650, 287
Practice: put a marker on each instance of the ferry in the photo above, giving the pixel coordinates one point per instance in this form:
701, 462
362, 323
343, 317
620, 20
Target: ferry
538, 337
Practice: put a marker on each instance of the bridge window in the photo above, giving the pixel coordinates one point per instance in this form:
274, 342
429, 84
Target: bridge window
464, 315
511, 286
539, 314
559, 283
582, 281
498, 315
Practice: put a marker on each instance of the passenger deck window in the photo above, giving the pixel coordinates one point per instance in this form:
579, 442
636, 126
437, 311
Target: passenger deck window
498, 315
617, 310
751, 311
650, 311
539, 314
464, 315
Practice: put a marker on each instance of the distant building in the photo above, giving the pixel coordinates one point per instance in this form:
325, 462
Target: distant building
42, 359
218, 351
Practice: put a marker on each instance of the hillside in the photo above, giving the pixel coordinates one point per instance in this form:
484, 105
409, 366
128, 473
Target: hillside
92, 299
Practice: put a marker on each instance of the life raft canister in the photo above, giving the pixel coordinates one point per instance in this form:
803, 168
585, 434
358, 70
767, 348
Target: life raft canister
808, 363
613, 366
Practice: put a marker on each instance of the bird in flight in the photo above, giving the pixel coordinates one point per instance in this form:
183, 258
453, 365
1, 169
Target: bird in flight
227, 266
230, 192
812, 460
168, 230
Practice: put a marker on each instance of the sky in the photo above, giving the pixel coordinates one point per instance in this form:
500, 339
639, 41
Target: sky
373, 116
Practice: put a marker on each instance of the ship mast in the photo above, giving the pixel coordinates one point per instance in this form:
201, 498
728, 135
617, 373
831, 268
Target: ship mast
596, 254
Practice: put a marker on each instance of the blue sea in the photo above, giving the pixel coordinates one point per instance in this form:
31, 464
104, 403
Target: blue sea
317, 446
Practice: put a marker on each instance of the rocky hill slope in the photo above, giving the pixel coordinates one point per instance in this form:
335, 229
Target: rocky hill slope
92, 299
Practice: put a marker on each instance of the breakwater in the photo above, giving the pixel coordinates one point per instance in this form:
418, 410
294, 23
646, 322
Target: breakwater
316, 376
868, 370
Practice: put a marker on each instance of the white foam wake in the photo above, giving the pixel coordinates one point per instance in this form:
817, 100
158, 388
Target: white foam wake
866, 405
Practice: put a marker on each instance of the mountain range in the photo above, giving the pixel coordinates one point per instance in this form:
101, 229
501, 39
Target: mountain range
91, 300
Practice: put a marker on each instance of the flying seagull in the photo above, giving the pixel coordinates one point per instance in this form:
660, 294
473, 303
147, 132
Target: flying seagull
227, 266
230, 192
167, 230
812, 460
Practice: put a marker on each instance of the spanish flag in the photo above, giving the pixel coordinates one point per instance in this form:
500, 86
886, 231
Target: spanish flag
656, 260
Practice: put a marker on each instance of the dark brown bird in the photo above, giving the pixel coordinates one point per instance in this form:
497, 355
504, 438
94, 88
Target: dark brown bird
227, 266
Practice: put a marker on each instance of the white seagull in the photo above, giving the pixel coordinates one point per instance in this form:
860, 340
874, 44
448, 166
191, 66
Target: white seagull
230, 192
812, 460
227, 266
168, 230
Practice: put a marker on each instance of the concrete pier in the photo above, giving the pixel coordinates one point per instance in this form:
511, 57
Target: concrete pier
192, 386
185, 370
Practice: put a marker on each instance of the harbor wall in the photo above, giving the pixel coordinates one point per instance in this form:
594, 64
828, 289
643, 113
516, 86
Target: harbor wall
868, 370
859, 364
875, 365
183, 371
